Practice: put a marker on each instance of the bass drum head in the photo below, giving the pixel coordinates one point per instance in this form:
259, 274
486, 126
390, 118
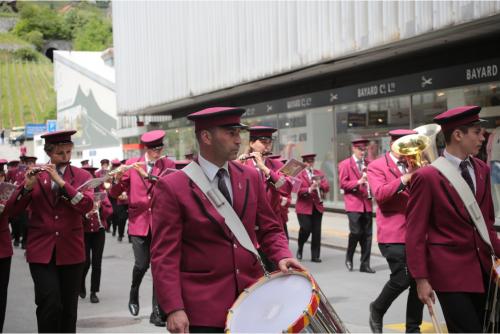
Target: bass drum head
272, 305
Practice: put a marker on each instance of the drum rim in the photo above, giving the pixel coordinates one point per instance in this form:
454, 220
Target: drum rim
301, 322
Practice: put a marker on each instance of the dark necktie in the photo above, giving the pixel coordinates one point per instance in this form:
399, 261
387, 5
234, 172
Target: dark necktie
151, 164
402, 164
55, 186
222, 185
466, 175
360, 165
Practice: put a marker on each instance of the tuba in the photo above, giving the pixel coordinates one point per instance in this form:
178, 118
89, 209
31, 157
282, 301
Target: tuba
418, 149
430, 130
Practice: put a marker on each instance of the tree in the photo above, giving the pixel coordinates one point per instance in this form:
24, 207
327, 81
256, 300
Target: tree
95, 35
42, 19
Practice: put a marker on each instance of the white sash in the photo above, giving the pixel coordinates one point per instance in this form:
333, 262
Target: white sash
220, 203
464, 191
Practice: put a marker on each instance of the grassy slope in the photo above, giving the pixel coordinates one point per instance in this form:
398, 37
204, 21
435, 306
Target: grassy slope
26, 91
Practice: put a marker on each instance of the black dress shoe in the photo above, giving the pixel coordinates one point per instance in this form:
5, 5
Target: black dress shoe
375, 320
16, 243
157, 320
317, 260
348, 265
83, 293
120, 239
133, 302
299, 255
93, 298
114, 233
366, 269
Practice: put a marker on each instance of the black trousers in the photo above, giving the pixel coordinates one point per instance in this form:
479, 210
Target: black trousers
120, 217
19, 227
310, 224
399, 281
463, 312
204, 329
56, 295
94, 247
4, 285
141, 247
360, 231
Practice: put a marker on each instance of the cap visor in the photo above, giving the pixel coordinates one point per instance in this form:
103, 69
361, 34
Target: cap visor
236, 126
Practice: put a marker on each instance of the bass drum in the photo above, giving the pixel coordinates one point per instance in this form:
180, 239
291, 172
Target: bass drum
283, 303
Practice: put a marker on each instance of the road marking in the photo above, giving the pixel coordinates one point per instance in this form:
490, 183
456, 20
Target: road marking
425, 327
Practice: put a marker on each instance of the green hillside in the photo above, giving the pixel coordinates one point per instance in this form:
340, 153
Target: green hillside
27, 91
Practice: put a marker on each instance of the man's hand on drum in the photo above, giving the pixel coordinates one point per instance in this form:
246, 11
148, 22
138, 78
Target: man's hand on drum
290, 263
177, 322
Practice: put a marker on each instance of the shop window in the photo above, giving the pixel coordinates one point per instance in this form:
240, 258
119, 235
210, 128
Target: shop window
310, 131
371, 120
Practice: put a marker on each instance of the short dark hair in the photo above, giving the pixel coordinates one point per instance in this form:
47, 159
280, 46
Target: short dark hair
463, 128
49, 147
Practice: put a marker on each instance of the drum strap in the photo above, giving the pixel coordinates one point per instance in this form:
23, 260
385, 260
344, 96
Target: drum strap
220, 203
468, 198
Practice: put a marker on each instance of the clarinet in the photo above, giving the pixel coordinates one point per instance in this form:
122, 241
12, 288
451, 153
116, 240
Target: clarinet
369, 192
318, 190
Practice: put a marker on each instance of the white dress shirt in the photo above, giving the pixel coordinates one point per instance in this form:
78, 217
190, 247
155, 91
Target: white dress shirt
211, 170
356, 163
456, 162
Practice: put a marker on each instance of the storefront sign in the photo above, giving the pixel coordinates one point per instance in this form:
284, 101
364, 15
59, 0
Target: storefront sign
460, 75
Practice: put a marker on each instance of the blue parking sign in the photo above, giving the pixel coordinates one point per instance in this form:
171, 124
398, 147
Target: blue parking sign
51, 125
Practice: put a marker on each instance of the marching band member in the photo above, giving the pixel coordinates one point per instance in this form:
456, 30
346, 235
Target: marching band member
85, 163
6, 253
120, 209
3, 162
444, 250
309, 206
94, 226
104, 168
285, 201
55, 250
20, 222
358, 205
260, 146
388, 178
138, 183
11, 175
199, 267
277, 185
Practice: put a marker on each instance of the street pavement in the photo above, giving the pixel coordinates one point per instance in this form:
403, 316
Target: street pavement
349, 292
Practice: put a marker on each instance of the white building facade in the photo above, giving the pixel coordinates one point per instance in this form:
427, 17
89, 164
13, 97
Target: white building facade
86, 102
322, 72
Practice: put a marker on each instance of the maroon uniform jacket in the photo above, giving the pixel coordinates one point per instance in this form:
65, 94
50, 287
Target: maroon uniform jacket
91, 223
5, 237
276, 186
442, 243
139, 192
306, 201
384, 178
56, 222
355, 195
196, 262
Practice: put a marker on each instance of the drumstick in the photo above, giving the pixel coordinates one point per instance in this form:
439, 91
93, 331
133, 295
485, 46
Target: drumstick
435, 323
